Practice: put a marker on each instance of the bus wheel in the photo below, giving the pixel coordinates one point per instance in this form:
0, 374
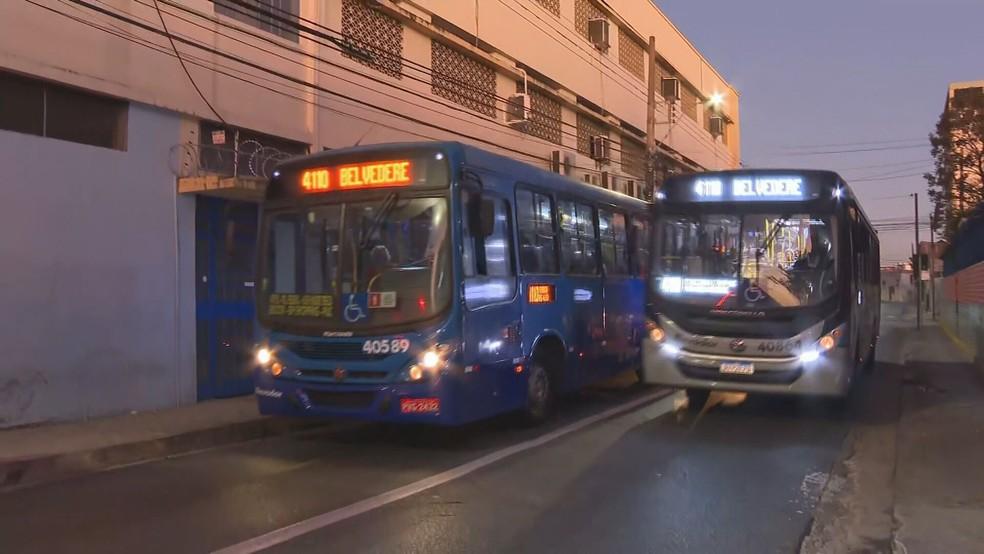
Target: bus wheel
539, 394
697, 398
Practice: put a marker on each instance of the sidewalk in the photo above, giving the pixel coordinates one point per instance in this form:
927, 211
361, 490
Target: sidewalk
912, 477
35, 454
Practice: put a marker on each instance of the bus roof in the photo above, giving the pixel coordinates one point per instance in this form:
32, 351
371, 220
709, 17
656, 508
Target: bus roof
460, 154
819, 181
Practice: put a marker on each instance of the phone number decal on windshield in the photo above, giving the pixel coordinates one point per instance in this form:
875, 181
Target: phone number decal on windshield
301, 305
392, 346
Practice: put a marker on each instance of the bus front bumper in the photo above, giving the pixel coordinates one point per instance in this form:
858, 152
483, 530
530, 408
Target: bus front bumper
391, 402
829, 375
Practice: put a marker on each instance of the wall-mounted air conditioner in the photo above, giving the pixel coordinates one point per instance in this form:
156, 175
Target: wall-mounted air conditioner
601, 148
518, 109
717, 126
670, 89
598, 33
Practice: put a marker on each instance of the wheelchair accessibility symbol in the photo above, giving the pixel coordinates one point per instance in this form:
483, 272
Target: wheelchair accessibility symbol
754, 294
356, 307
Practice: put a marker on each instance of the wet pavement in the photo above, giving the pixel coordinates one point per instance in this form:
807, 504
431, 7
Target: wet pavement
646, 479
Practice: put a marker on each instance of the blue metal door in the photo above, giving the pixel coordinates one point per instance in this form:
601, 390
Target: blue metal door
225, 253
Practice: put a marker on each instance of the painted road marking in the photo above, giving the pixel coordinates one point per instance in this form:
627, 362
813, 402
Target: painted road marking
284, 534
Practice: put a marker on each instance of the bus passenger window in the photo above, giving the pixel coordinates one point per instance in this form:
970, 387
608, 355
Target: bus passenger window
579, 242
537, 248
614, 243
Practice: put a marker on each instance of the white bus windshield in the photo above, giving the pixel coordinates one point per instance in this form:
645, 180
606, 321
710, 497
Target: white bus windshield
743, 261
358, 264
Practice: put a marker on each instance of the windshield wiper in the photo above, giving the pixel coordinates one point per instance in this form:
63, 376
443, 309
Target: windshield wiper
382, 211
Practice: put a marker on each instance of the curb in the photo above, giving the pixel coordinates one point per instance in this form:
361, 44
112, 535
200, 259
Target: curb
25, 472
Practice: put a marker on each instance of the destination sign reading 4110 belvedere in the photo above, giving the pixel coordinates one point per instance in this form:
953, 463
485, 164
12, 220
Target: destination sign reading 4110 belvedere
741, 188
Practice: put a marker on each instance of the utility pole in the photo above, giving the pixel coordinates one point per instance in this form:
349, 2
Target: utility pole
917, 266
932, 261
651, 121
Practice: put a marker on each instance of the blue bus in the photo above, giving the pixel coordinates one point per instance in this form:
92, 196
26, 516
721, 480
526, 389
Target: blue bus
764, 281
439, 283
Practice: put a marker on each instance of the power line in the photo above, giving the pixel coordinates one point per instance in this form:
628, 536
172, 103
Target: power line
855, 150
253, 13
889, 178
418, 121
890, 164
473, 119
853, 144
183, 66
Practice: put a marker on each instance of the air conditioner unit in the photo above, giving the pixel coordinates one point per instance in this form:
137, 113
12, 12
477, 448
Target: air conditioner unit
670, 89
601, 148
518, 109
717, 126
598, 33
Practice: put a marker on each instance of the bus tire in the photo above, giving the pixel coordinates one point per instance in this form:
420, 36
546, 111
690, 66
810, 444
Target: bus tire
539, 394
697, 398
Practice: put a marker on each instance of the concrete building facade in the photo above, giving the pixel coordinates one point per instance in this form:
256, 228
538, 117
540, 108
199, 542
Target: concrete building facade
136, 135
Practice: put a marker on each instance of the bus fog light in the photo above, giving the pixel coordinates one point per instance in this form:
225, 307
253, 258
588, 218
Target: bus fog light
656, 333
264, 356
809, 356
671, 349
415, 373
827, 343
276, 369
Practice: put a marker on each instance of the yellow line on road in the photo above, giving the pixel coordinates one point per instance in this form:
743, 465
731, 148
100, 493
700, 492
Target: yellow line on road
963, 346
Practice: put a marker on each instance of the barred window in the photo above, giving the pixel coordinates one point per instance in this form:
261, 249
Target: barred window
584, 11
633, 157
545, 116
588, 127
688, 100
376, 34
553, 6
631, 54
462, 80
266, 15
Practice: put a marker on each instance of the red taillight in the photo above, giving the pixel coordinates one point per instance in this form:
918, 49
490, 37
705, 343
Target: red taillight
422, 304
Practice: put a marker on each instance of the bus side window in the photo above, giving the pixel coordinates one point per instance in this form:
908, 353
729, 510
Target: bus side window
579, 238
614, 243
488, 261
537, 244
639, 246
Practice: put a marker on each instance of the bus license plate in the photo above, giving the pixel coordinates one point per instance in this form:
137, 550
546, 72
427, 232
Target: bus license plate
420, 405
737, 368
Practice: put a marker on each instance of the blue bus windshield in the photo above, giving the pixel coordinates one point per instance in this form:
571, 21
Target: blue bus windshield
357, 265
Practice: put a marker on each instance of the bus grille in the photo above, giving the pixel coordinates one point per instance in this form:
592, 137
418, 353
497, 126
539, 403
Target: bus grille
350, 375
342, 351
352, 400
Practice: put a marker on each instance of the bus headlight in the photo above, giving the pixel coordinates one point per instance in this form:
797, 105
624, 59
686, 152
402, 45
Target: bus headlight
429, 361
826, 343
264, 356
655, 332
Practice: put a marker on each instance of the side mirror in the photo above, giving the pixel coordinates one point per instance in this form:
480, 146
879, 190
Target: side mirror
481, 218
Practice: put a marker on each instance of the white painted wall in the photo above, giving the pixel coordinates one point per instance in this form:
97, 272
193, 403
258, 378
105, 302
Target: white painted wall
95, 318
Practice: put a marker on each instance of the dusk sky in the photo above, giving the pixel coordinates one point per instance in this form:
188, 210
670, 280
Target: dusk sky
820, 76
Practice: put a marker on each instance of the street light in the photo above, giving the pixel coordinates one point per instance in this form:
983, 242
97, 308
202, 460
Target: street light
716, 100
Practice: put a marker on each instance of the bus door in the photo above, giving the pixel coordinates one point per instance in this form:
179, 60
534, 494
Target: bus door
620, 299
582, 287
492, 315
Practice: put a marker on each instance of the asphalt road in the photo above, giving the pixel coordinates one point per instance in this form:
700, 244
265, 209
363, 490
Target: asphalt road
741, 479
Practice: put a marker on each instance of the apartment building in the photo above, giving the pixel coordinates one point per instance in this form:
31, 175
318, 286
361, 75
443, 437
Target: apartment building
136, 136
